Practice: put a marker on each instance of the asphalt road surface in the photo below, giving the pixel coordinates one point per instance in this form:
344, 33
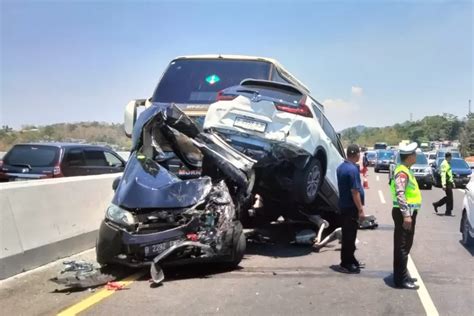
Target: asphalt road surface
284, 279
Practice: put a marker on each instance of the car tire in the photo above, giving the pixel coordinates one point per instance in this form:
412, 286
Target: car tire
238, 248
307, 182
376, 170
466, 240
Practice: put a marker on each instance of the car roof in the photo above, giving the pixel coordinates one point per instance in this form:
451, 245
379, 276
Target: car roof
255, 58
64, 145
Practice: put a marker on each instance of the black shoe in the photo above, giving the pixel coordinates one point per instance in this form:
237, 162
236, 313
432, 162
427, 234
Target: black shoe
407, 285
351, 269
435, 207
448, 214
412, 280
360, 265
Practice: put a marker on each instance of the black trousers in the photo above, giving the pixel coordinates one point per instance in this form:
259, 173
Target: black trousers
402, 242
447, 199
349, 235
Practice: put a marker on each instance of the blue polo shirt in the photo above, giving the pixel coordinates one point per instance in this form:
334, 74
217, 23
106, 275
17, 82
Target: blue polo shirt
348, 178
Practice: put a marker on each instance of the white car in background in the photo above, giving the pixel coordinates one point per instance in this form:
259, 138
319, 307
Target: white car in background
467, 219
285, 130
431, 157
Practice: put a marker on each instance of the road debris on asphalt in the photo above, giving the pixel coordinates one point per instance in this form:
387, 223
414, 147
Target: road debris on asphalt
81, 275
114, 286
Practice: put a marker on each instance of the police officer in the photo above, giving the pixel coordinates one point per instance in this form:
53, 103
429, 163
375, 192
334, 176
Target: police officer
406, 197
447, 183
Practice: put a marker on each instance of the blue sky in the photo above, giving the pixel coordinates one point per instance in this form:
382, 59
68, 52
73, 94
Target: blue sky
369, 62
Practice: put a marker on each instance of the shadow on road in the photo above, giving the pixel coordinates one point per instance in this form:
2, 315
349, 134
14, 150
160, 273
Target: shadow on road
276, 240
388, 280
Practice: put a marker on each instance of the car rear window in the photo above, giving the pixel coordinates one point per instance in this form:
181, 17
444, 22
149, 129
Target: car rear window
32, 155
197, 81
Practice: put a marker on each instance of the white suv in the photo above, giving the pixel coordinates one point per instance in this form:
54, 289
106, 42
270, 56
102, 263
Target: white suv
285, 130
467, 219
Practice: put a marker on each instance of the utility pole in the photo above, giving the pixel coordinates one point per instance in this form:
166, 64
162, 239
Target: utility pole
469, 106
411, 117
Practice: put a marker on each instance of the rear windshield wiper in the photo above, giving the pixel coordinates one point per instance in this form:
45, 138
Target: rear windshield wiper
21, 165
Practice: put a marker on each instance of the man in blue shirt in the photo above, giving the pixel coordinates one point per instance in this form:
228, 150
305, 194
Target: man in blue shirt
351, 202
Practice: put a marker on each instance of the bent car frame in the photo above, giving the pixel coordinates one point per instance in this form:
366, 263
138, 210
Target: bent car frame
156, 218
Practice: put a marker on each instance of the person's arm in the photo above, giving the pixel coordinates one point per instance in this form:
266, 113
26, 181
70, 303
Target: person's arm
443, 174
355, 187
358, 202
401, 182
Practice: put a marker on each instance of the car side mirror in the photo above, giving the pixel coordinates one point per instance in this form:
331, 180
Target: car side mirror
131, 114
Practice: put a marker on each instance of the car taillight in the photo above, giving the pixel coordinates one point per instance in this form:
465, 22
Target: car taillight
221, 96
301, 109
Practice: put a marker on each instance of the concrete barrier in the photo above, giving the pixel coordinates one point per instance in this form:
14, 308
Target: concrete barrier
45, 220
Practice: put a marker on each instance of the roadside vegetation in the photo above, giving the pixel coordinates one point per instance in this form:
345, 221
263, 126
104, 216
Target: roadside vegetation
87, 132
430, 128
446, 127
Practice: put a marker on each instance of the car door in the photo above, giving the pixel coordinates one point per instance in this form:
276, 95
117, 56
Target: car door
116, 164
96, 161
74, 163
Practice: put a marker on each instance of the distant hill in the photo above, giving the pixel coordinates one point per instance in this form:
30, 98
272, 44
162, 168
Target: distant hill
437, 127
101, 133
358, 128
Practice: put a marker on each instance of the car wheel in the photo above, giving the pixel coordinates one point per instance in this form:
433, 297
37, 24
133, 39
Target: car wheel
467, 240
308, 181
238, 248
376, 170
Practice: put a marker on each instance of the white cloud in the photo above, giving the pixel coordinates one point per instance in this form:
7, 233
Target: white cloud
357, 91
342, 114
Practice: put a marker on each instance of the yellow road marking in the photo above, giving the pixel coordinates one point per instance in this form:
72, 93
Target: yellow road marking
425, 297
382, 199
97, 297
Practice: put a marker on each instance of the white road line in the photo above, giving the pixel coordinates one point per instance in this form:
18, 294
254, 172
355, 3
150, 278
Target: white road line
382, 199
378, 178
425, 297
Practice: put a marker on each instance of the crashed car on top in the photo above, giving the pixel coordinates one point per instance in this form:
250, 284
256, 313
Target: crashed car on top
285, 130
155, 217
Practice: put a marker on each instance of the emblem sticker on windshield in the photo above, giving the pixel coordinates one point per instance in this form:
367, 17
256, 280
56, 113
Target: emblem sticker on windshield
212, 79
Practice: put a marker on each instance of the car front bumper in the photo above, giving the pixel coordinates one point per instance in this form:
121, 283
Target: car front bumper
461, 181
382, 166
116, 245
424, 179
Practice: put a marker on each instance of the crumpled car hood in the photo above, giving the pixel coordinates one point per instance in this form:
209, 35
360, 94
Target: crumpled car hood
146, 184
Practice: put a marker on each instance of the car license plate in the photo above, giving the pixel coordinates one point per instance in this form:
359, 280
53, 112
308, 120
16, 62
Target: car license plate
250, 124
154, 250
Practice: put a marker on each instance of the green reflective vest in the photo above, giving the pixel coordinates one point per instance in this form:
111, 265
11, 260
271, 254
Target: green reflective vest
412, 191
446, 173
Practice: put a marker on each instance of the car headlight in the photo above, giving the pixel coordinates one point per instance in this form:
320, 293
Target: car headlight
428, 170
119, 216
469, 175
